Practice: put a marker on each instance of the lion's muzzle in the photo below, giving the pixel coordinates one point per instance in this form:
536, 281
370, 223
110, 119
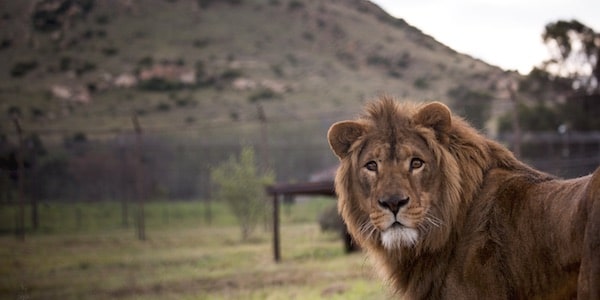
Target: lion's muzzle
394, 203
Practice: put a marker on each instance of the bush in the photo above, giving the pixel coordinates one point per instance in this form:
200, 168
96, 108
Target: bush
110, 51
262, 94
163, 107
295, 4
145, 62
231, 74
242, 189
159, 84
21, 68
474, 105
421, 83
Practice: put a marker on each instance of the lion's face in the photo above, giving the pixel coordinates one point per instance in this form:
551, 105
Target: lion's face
397, 182
389, 179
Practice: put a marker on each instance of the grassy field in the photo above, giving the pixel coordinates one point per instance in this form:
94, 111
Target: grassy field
183, 258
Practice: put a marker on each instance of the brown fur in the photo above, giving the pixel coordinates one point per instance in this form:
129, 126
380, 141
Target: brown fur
475, 222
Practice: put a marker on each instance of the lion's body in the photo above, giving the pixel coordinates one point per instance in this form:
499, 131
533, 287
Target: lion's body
449, 214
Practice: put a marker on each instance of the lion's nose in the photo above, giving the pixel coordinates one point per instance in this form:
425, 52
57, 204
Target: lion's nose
394, 202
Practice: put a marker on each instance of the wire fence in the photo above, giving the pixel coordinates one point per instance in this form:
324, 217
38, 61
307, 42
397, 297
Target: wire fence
174, 163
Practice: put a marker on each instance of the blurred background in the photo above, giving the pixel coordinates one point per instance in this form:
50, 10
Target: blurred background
137, 137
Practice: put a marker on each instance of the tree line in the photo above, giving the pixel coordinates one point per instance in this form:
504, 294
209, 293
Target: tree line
566, 87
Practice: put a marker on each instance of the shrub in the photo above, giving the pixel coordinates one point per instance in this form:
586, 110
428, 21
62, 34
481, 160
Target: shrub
110, 51
295, 4
201, 43
145, 62
231, 74
159, 84
242, 189
262, 94
421, 83
163, 107
102, 19
22, 68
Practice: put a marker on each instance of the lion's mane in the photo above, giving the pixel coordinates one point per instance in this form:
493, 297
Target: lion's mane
504, 230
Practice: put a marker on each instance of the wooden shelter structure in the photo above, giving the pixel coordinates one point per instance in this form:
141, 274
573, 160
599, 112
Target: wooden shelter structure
318, 188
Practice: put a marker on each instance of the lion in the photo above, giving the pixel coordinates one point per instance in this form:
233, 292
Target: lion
446, 213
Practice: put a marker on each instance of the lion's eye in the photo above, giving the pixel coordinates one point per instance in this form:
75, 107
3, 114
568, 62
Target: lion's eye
371, 166
416, 163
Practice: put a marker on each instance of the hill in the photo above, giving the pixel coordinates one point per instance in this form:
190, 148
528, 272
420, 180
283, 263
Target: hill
183, 63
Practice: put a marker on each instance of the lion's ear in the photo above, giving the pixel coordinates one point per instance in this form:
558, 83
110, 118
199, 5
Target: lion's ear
436, 115
342, 135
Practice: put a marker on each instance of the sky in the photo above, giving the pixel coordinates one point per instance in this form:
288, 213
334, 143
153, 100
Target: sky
505, 33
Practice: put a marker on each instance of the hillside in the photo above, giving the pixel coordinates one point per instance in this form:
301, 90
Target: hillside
195, 63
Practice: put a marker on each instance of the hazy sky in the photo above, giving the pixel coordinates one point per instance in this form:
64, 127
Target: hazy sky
505, 33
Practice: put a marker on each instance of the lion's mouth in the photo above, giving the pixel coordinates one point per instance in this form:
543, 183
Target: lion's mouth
396, 224
398, 235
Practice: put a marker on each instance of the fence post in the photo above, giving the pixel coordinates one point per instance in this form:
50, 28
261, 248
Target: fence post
139, 179
276, 243
514, 98
20, 230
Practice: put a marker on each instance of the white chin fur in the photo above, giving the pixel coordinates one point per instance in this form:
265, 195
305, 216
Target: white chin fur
395, 238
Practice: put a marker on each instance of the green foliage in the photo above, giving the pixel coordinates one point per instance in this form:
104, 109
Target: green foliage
580, 112
579, 49
262, 94
295, 4
474, 105
535, 118
404, 61
577, 113
231, 74
102, 19
377, 59
110, 51
421, 83
208, 3
160, 85
242, 188
145, 62
51, 15
21, 68
163, 107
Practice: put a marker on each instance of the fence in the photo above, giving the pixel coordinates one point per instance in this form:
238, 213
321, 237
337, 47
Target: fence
567, 155
175, 163
139, 163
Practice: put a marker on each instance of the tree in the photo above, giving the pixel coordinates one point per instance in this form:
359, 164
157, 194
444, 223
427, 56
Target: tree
567, 87
576, 53
474, 105
242, 188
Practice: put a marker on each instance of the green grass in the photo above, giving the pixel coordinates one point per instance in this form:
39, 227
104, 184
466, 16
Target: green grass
56, 218
183, 259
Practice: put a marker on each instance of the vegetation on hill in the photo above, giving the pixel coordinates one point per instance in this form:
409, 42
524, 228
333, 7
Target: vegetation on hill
90, 64
206, 77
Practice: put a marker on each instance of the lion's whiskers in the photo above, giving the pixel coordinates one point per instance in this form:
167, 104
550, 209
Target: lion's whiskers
430, 221
367, 229
435, 221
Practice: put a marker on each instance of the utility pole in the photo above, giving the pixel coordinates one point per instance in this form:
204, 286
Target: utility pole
265, 165
20, 230
139, 179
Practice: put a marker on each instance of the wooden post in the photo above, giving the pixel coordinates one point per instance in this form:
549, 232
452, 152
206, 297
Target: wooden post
20, 230
512, 91
139, 180
264, 139
124, 196
276, 243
